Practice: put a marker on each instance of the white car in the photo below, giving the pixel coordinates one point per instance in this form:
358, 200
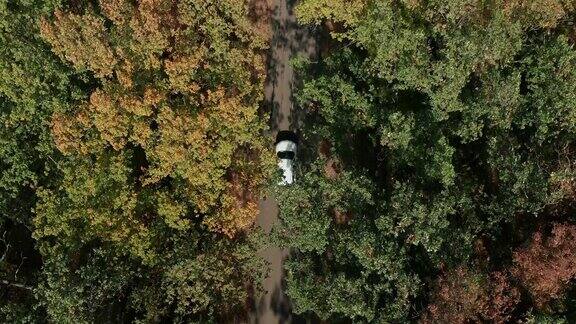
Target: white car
286, 144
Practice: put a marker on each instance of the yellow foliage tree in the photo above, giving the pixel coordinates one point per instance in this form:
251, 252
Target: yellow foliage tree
181, 81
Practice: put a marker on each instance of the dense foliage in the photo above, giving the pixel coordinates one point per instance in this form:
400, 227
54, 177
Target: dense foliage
436, 179
440, 136
131, 159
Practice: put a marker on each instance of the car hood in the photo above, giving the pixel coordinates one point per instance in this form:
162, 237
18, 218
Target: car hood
287, 167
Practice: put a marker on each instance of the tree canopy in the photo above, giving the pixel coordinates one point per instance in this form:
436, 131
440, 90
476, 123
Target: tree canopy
133, 158
435, 177
435, 130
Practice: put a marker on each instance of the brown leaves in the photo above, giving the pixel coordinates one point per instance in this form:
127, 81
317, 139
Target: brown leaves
181, 70
463, 296
548, 264
108, 119
545, 267
87, 43
260, 13
152, 26
116, 10
543, 13
65, 133
238, 205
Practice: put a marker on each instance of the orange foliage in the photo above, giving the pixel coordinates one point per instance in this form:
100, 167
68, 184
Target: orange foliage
543, 13
462, 296
116, 10
240, 203
65, 134
177, 85
69, 31
547, 265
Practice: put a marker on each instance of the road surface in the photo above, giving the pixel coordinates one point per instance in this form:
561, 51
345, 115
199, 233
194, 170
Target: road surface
288, 40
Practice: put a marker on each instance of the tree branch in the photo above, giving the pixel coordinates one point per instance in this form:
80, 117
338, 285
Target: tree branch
17, 285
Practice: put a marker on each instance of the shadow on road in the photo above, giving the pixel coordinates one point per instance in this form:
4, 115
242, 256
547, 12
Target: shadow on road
288, 40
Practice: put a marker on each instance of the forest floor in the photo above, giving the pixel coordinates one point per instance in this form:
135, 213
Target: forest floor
288, 40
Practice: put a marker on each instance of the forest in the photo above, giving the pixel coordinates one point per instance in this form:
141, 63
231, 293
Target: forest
435, 177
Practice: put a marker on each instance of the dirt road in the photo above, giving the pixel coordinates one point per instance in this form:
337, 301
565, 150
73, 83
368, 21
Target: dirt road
288, 40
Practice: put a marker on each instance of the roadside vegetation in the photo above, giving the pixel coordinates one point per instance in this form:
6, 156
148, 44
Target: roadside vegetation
131, 159
438, 183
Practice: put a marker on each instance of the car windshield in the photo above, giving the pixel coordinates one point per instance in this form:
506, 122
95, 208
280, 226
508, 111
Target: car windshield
286, 155
286, 136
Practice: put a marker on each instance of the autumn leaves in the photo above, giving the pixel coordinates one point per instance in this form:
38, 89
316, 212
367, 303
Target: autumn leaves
180, 80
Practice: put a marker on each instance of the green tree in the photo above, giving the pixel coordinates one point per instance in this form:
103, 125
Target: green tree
455, 118
33, 84
162, 163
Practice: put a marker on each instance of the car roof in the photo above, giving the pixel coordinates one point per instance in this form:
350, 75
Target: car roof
285, 146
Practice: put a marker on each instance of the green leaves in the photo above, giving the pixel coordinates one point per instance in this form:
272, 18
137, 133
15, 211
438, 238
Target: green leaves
343, 265
305, 217
446, 120
397, 132
416, 220
550, 72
